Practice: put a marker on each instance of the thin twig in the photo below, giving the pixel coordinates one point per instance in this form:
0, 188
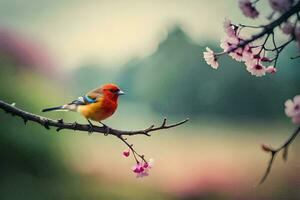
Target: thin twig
295, 57
274, 152
134, 152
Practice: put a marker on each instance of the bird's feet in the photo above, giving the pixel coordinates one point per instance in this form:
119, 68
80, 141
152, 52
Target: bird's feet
106, 127
91, 129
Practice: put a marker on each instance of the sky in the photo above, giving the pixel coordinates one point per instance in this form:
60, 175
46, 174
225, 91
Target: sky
112, 32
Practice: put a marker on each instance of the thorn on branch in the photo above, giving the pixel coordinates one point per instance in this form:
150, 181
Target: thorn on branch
46, 124
164, 122
25, 120
74, 125
107, 132
146, 131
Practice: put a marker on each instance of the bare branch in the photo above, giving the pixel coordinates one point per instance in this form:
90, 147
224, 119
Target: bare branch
295, 57
60, 124
273, 153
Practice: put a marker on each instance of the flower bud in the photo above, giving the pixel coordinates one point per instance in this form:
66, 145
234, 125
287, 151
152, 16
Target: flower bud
126, 153
271, 70
266, 148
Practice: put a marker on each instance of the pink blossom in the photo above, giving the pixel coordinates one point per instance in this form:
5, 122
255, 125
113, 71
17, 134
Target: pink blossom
271, 70
250, 53
297, 33
138, 168
149, 164
211, 58
287, 28
297, 36
292, 109
229, 28
229, 42
281, 5
142, 170
256, 68
126, 153
248, 9
237, 55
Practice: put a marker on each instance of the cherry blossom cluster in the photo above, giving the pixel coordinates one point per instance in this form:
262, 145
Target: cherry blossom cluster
142, 167
250, 54
258, 57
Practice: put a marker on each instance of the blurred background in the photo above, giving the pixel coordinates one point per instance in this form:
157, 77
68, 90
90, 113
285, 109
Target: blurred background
51, 52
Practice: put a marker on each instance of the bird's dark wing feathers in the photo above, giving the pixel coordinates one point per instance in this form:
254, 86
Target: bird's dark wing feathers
79, 101
84, 100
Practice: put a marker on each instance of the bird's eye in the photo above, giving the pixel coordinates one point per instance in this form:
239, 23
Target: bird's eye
114, 90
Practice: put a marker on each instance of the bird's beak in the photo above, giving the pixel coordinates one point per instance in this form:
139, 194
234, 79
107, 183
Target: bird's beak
121, 92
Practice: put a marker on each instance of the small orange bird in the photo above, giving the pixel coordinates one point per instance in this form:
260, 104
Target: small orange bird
96, 105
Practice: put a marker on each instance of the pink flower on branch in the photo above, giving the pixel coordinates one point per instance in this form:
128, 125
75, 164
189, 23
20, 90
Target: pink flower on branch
126, 153
142, 169
256, 69
292, 109
248, 9
271, 70
228, 43
229, 28
211, 58
250, 53
237, 55
297, 36
281, 5
287, 28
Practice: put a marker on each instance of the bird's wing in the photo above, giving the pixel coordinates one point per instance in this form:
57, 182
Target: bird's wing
78, 101
91, 97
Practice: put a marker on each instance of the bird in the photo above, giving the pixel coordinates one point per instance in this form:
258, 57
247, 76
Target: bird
97, 105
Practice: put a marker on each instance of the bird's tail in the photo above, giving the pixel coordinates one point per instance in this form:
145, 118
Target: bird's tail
54, 108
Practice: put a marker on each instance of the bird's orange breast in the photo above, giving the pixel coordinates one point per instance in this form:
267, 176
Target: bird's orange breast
98, 111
